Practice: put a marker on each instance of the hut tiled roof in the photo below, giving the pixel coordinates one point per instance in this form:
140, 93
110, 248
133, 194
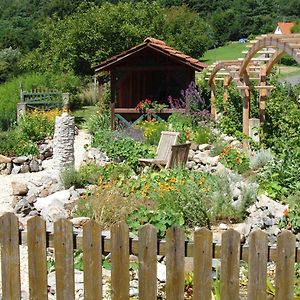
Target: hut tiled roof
286, 27
154, 44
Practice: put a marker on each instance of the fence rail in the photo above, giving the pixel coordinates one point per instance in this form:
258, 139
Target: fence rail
146, 247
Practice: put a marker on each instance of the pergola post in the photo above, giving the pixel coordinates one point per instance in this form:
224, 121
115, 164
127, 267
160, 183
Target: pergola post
246, 111
225, 96
213, 109
262, 95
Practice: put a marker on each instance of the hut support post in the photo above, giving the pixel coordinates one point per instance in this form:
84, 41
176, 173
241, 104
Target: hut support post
113, 100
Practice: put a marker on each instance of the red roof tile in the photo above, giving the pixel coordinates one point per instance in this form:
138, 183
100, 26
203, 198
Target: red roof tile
285, 27
157, 45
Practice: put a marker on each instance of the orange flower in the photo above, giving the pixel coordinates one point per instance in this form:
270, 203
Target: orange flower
286, 212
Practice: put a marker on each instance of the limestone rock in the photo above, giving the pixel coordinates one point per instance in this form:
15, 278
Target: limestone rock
34, 165
24, 169
203, 147
19, 189
2, 166
16, 169
161, 272
54, 212
61, 196
20, 159
4, 159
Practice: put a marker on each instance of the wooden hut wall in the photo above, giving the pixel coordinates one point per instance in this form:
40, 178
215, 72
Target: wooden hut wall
151, 75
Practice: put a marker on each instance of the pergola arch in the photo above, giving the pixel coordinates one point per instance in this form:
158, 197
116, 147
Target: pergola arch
262, 55
289, 44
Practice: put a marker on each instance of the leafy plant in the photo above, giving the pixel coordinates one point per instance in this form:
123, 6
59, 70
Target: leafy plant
234, 159
281, 177
291, 215
152, 131
161, 219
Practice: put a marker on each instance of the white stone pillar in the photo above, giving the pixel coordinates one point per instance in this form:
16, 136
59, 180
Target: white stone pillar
254, 127
63, 143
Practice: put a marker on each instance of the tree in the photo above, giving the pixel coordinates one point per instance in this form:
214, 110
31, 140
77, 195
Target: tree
91, 35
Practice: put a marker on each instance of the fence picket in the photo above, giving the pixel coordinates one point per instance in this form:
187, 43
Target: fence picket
230, 265
10, 257
147, 263
92, 261
202, 264
284, 280
64, 260
120, 261
175, 263
258, 257
37, 260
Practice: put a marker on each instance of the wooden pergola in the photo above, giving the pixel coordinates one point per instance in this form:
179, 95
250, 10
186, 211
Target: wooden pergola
263, 53
151, 70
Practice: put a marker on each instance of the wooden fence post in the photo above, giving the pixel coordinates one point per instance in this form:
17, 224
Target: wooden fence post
202, 264
120, 261
175, 263
92, 261
64, 260
37, 258
10, 257
258, 257
285, 264
147, 263
230, 265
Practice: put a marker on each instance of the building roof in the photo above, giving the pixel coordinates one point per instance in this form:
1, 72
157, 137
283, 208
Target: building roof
286, 27
154, 44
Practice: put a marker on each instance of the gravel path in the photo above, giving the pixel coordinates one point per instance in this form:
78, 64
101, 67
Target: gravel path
6, 198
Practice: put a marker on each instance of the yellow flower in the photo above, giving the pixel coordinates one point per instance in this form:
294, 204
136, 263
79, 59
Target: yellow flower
173, 179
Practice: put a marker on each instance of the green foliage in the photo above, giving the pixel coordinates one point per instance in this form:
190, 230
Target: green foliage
281, 128
92, 34
202, 135
281, 178
12, 143
120, 148
32, 127
10, 91
291, 216
152, 131
234, 159
160, 219
98, 122
9, 59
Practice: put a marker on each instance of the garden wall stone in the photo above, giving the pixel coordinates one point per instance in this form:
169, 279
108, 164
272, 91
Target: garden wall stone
21, 164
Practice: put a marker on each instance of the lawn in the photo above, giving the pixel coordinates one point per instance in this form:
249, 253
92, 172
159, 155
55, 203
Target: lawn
83, 113
232, 50
287, 71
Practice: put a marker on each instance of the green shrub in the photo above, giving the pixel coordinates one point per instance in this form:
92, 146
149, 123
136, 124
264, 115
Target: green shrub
160, 219
234, 159
218, 146
202, 135
12, 143
10, 91
291, 216
152, 131
98, 122
281, 177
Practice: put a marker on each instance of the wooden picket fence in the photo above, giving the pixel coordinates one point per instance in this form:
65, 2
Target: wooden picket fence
146, 247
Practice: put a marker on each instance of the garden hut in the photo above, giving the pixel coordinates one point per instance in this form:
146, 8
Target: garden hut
151, 70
